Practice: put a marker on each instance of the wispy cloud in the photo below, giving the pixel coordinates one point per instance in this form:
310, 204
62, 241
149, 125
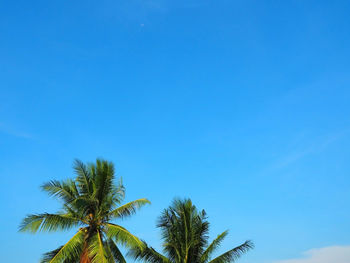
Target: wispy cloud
315, 146
13, 132
334, 254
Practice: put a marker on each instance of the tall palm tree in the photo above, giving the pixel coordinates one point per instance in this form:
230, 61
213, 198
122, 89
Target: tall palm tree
184, 232
91, 202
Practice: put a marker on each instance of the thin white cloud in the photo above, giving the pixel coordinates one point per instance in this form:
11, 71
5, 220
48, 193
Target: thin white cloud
318, 145
10, 131
333, 254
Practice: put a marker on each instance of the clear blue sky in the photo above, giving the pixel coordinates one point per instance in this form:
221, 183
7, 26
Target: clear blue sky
242, 106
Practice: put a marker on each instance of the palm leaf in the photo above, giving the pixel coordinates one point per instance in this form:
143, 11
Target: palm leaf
233, 254
117, 255
128, 209
121, 235
103, 179
147, 254
48, 222
118, 192
97, 252
49, 255
83, 177
65, 190
213, 246
68, 253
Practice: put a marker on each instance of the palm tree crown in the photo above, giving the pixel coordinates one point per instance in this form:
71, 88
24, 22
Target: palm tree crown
184, 232
91, 202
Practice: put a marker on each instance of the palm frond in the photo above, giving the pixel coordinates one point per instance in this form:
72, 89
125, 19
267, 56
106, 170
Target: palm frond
121, 235
128, 209
147, 254
69, 253
74, 212
84, 205
65, 190
233, 254
97, 252
83, 177
103, 179
49, 255
117, 255
213, 246
48, 222
118, 192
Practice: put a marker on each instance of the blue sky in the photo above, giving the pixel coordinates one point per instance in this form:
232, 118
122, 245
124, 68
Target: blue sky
242, 106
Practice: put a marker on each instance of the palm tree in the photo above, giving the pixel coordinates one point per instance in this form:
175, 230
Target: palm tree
90, 202
184, 232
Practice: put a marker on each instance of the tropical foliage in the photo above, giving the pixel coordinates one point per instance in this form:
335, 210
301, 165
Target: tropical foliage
184, 232
90, 203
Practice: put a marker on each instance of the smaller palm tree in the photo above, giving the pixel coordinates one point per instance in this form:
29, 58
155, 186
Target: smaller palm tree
90, 202
184, 232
